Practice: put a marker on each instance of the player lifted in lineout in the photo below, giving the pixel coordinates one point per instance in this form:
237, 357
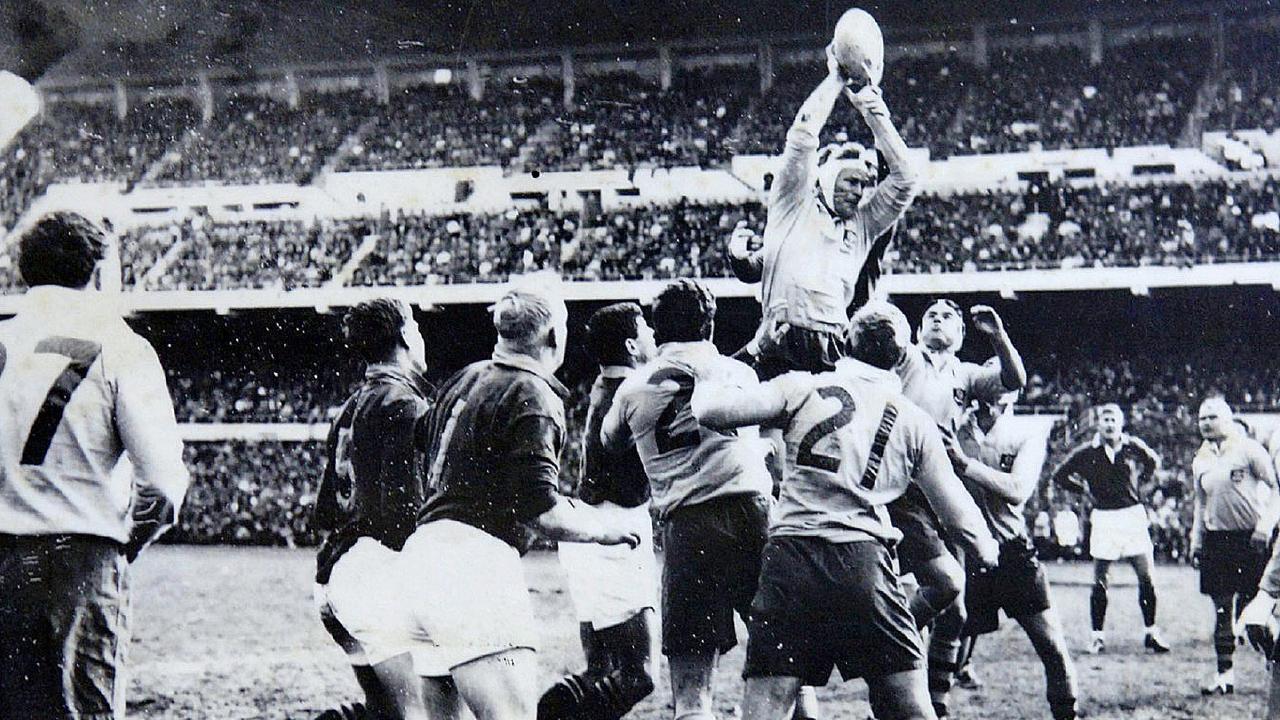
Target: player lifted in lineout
829, 595
1112, 468
369, 498
1234, 488
999, 461
613, 587
823, 223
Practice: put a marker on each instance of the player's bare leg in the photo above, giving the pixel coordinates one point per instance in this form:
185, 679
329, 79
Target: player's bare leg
940, 581
901, 696
691, 676
769, 698
1050, 643
398, 690
502, 686
1142, 565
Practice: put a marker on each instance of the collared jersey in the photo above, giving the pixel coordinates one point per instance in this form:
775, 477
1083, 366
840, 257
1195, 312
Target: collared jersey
687, 463
1112, 480
616, 478
372, 482
494, 442
855, 444
78, 388
1231, 478
812, 260
943, 384
1000, 450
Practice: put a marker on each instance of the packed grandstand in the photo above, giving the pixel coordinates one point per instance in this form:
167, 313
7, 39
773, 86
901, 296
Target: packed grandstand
1121, 146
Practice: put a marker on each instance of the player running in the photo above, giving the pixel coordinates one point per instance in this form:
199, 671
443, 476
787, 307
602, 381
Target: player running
369, 498
1111, 469
494, 440
829, 596
77, 389
1235, 512
822, 225
943, 386
710, 489
614, 587
1000, 464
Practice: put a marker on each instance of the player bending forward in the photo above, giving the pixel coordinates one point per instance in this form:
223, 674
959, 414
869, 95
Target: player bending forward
614, 587
1000, 464
1111, 469
369, 499
821, 229
494, 440
1235, 512
829, 595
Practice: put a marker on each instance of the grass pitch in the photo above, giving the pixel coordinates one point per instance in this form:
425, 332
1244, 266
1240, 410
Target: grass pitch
231, 633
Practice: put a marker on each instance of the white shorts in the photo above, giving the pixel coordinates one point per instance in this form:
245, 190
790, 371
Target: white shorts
610, 584
464, 596
1116, 534
363, 598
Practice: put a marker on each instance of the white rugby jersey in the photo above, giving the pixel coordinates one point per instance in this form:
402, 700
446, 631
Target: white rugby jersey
942, 384
77, 389
854, 444
686, 463
1009, 448
1231, 480
811, 259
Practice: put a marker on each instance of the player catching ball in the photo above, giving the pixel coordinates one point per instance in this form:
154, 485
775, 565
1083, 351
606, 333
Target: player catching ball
821, 228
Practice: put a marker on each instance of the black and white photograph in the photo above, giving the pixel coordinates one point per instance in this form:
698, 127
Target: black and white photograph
659, 360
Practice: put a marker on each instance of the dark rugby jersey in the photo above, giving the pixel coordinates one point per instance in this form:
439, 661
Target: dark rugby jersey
372, 483
1113, 485
494, 442
620, 478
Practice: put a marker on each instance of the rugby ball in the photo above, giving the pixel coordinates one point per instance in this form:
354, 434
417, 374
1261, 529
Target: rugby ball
858, 46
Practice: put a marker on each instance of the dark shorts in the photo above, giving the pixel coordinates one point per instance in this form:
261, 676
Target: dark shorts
63, 627
802, 349
825, 605
1017, 585
1229, 564
712, 565
921, 539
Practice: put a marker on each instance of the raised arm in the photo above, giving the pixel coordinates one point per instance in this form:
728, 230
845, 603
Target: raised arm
794, 180
1012, 373
891, 198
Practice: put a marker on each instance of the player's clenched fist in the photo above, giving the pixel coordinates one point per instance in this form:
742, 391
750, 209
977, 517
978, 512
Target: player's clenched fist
986, 320
1258, 619
611, 537
740, 241
869, 101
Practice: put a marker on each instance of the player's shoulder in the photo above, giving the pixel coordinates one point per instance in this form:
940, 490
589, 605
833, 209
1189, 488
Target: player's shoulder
1140, 444
1081, 448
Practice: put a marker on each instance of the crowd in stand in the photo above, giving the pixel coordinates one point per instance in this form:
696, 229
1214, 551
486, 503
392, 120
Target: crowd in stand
1250, 94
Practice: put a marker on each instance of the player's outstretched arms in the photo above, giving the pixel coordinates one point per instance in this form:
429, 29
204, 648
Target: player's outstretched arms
568, 521
955, 508
891, 198
723, 403
794, 180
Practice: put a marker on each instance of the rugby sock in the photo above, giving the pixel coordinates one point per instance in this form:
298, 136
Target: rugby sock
1224, 638
1146, 600
1098, 605
590, 697
806, 704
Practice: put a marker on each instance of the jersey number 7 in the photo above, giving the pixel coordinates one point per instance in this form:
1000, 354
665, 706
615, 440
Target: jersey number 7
81, 354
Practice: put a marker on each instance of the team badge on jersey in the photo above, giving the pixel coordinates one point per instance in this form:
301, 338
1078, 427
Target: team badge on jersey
1006, 462
960, 397
1239, 475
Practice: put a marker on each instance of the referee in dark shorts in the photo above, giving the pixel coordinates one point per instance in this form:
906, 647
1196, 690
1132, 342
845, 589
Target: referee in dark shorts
1232, 474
